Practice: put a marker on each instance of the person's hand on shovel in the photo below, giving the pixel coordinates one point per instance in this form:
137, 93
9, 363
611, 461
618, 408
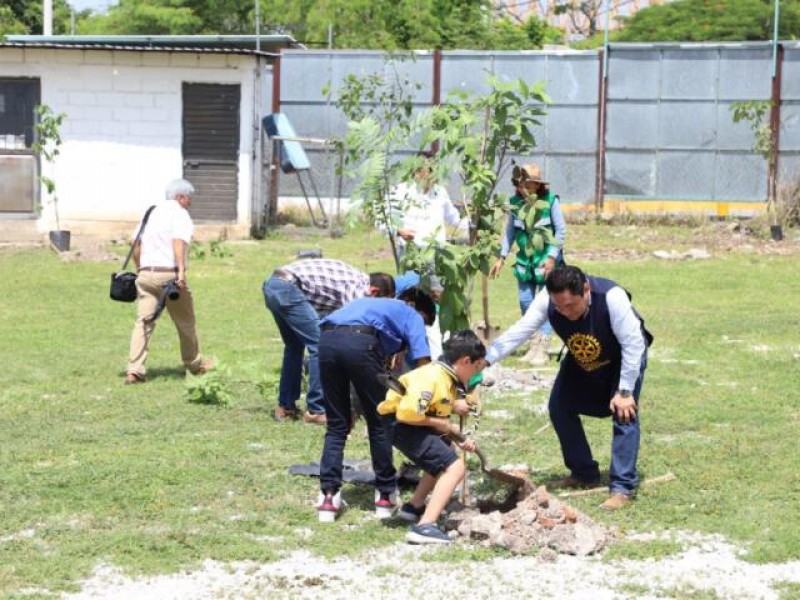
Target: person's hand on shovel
457, 437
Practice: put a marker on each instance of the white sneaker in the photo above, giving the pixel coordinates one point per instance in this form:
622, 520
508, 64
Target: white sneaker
329, 506
385, 504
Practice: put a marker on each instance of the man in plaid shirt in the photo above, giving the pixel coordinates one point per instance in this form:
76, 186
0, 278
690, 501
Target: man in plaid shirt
298, 295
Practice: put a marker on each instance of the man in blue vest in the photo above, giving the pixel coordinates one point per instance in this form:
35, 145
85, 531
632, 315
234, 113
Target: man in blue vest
601, 376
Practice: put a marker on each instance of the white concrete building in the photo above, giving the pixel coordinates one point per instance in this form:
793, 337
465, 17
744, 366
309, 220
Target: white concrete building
140, 111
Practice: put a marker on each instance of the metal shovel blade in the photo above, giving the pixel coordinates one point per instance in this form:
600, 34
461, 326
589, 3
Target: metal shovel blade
492, 472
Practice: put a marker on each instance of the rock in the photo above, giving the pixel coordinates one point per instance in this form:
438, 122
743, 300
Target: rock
579, 539
570, 515
548, 555
697, 254
483, 527
516, 544
542, 496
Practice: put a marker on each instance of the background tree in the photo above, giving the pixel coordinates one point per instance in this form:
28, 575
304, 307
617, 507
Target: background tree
145, 17
583, 15
369, 24
711, 20
10, 23
25, 17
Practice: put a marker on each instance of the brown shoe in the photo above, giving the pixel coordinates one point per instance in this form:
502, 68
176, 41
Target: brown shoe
202, 368
616, 501
133, 378
573, 483
286, 414
315, 418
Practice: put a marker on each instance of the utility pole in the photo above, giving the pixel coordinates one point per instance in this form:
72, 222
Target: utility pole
47, 17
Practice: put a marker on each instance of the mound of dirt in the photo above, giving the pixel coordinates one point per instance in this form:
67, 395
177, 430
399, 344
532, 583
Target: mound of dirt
517, 380
537, 523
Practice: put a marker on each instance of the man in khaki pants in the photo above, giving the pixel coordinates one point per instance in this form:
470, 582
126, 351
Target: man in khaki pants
160, 256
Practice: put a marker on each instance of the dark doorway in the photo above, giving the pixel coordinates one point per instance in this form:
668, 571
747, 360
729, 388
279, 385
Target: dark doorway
18, 163
211, 148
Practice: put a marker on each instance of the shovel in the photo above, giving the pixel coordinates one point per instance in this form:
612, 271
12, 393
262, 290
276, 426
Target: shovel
492, 472
395, 384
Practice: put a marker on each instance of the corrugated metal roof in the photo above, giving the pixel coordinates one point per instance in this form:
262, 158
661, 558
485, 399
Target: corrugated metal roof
268, 45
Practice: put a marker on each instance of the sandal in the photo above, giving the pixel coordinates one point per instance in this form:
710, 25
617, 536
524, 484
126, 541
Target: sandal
133, 378
202, 368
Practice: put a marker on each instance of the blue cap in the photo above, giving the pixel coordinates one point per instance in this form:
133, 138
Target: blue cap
405, 281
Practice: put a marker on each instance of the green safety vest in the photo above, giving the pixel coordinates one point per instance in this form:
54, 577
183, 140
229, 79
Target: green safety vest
527, 267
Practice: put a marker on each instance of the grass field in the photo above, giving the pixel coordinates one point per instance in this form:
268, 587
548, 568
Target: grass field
93, 471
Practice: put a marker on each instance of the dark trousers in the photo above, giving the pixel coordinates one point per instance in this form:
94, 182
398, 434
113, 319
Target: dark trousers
572, 397
347, 357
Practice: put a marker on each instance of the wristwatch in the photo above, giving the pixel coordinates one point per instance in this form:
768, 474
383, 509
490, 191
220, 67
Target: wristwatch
624, 393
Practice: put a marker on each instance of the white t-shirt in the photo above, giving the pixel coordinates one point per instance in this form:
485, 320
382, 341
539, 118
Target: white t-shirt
427, 213
169, 221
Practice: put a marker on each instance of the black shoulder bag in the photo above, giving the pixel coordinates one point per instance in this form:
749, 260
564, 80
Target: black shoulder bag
123, 283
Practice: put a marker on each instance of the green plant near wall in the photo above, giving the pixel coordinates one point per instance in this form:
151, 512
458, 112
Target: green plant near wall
47, 144
757, 113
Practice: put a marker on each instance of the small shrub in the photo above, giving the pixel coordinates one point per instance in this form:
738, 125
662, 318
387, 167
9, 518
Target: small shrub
197, 251
212, 387
268, 386
219, 249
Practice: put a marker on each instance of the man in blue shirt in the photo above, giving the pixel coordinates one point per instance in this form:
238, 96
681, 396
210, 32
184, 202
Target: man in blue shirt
356, 344
297, 295
601, 376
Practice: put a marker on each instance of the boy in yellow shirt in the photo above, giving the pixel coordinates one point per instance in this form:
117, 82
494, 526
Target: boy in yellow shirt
418, 422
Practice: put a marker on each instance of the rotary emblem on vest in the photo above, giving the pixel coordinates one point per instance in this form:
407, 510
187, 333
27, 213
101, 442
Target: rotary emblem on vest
586, 349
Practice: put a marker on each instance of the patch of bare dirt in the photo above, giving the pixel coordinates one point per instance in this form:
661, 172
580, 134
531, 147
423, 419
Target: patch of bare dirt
689, 242
90, 253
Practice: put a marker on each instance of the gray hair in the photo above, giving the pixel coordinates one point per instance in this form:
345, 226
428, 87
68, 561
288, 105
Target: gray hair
178, 187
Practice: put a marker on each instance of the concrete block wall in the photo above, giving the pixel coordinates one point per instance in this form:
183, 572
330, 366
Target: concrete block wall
122, 136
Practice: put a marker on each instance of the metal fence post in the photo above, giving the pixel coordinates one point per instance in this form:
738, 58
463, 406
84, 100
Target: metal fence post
275, 154
600, 167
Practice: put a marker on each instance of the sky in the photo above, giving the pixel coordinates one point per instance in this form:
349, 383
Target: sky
95, 5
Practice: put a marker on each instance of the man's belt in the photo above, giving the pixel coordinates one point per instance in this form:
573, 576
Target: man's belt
363, 329
286, 276
158, 269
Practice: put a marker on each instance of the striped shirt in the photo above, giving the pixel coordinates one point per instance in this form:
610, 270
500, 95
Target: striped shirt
328, 284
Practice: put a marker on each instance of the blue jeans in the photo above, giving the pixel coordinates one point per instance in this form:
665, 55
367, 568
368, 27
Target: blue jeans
347, 357
298, 324
527, 292
567, 402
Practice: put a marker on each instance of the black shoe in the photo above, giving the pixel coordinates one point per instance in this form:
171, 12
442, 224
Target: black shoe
426, 534
409, 512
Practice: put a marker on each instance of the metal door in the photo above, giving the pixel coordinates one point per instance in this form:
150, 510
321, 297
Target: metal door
211, 148
18, 163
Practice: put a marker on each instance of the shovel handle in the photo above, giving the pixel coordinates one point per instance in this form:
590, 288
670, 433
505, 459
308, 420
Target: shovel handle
461, 438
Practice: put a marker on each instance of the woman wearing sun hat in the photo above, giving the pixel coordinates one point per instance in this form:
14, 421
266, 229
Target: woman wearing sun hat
539, 243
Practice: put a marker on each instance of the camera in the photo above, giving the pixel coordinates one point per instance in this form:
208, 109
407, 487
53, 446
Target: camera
171, 290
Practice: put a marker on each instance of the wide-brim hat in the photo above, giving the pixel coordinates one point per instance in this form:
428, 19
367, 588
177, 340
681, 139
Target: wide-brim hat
522, 173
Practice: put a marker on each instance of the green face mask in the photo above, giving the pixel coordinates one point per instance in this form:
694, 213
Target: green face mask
474, 381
